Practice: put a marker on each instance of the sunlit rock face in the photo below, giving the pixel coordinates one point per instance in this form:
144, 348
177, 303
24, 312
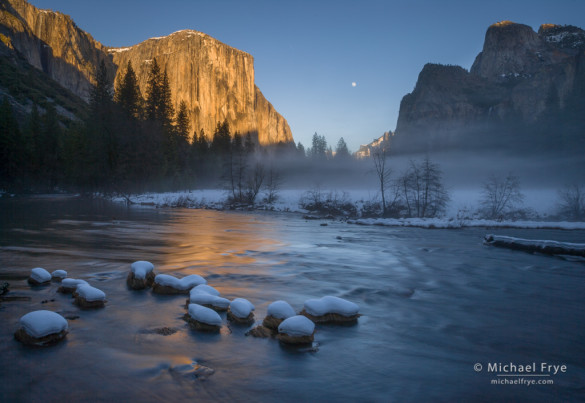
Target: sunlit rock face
215, 80
521, 82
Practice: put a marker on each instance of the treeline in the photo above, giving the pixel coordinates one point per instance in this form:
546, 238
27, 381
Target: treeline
127, 143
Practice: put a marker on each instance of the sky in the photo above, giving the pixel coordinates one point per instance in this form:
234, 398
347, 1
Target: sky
338, 68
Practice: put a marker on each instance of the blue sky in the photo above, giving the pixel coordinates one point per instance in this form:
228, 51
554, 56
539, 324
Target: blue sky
308, 53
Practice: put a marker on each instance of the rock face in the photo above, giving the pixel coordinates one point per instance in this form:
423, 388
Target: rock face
521, 88
216, 81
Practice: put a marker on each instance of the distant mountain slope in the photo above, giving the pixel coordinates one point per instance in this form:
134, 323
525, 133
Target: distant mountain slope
215, 80
524, 93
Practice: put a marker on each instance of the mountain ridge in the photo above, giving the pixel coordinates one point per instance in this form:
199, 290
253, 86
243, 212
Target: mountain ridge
225, 88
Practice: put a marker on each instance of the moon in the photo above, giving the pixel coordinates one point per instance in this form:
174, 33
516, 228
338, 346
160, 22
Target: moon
353, 84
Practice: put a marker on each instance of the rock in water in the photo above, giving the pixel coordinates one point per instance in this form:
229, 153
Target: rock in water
296, 330
166, 284
69, 285
39, 276
90, 297
240, 311
141, 275
277, 312
330, 309
202, 318
42, 328
58, 275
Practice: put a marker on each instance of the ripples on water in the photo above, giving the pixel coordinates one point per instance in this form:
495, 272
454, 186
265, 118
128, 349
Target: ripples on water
435, 302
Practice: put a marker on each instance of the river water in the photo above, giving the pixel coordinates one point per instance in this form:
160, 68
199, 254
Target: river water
434, 303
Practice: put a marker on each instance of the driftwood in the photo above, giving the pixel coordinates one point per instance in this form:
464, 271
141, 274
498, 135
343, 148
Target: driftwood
538, 246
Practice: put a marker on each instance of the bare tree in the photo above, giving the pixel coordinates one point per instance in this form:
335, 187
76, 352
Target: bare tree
272, 185
500, 196
422, 189
254, 182
383, 173
571, 204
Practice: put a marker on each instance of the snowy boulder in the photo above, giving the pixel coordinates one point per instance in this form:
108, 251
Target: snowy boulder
202, 318
198, 295
69, 285
42, 328
277, 312
330, 309
166, 284
141, 275
204, 288
58, 275
240, 311
296, 330
39, 276
87, 296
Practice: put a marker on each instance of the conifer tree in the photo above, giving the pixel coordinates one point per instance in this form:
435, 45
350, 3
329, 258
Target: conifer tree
128, 95
183, 124
153, 92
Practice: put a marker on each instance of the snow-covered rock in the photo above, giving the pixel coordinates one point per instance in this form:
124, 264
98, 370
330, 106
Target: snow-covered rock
166, 284
39, 276
533, 245
42, 328
204, 288
277, 312
211, 301
58, 275
203, 318
69, 285
330, 309
240, 311
296, 330
89, 297
141, 275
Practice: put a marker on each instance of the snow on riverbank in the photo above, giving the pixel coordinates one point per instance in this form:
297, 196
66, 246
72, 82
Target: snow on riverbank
455, 223
289, 201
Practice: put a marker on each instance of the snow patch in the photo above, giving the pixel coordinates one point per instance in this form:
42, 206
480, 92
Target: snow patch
204, 289
445, 223
72, 283
43, 323
297, 326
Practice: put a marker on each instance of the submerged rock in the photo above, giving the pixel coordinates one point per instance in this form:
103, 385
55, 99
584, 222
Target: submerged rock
39, 276
42, 328
141, 275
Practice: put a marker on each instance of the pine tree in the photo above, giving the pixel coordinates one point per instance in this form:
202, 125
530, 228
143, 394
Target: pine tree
341, 151
183, 124
153, 92
128, 95
165, 108
10, 143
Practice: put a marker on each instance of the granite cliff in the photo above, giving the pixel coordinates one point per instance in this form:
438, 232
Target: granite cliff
215, 80
523, 91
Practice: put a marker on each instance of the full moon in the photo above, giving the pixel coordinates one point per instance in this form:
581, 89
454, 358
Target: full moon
353, 84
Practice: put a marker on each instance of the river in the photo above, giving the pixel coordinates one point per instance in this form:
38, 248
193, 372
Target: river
435, 303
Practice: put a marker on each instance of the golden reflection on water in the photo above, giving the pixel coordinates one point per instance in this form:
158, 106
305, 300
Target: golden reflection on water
212, 243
